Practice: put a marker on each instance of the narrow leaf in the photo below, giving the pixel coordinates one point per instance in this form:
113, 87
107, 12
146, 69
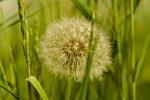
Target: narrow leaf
9, 92
3, 73
36, 84
84, 9
141, 60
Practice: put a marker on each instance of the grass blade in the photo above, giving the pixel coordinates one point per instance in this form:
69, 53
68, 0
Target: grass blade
91, 48
84, 9
3, 73
141, 60
136, 4
11, 54
36, 84
9, 92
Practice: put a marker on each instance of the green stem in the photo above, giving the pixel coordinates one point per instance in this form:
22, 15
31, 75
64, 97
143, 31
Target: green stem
58, 9
91, 48
25, 33
68, 90
134, 91
132, 35
133, 48
55, 84
115, 7
119, 35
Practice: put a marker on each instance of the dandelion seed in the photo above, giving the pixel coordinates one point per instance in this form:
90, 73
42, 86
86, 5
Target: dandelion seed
64, 49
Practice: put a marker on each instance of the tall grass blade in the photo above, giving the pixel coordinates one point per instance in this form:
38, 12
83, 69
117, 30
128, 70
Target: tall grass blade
142, 58
84, 9
91, 49
3, 73
136, 4
36, 84
11, 54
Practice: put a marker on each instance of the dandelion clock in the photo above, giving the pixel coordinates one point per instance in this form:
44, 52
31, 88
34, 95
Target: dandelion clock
64, 49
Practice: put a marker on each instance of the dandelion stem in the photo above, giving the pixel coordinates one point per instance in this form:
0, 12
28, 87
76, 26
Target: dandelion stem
68, 90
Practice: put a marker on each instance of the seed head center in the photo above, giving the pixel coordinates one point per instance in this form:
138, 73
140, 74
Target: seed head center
74, 48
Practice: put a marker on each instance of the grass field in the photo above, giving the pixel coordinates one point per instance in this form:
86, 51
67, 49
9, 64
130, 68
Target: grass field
24, 74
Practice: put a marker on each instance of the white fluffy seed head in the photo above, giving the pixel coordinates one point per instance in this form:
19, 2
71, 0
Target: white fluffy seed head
64, 49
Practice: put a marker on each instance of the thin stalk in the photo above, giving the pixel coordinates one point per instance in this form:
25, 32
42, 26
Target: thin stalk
84, 9
124, 83
132, 48
68, 90
55, 83
35, 49
91, 48
124, 57
115, 7
25, 33
58, 9
118, 34
86, 79
121, 60
134, 91
132, 35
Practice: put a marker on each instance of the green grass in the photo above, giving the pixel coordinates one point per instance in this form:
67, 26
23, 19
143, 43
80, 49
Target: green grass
23, 76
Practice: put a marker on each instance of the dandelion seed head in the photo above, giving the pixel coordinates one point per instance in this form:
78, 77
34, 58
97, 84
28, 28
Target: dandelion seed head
64, 49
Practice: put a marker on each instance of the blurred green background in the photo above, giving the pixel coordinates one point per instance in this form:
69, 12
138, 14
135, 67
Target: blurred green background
42, 12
